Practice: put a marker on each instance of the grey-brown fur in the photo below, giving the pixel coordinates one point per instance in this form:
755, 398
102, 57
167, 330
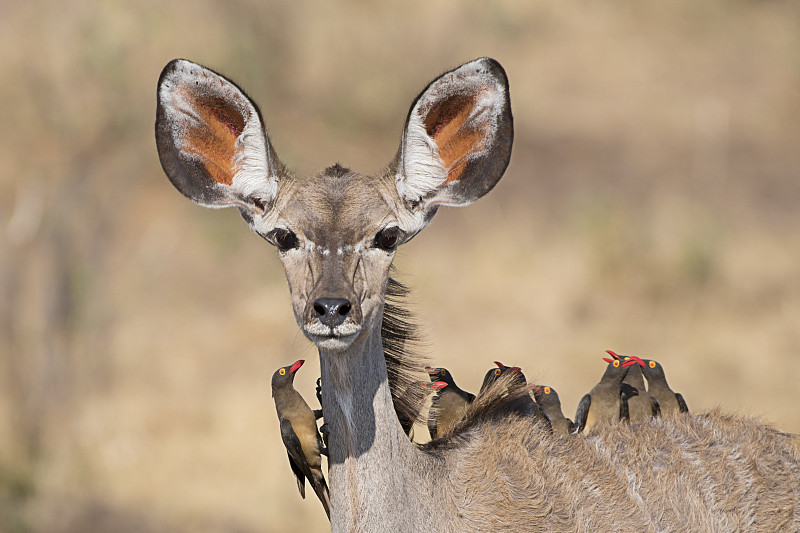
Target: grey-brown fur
499, 470
678, 475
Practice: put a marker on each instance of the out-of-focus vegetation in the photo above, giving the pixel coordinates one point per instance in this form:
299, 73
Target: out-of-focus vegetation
652, 206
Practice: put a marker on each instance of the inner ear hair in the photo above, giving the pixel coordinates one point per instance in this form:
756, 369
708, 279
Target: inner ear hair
446, 123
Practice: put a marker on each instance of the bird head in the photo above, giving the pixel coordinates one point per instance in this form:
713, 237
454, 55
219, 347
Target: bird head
439, 374
617, 367
544, 393
285, 374
652, 369
494, 373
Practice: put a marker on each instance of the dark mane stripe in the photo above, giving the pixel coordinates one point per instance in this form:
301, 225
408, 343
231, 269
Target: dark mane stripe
405, 366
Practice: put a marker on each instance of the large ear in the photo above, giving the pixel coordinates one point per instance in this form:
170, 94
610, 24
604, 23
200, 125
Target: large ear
211, 140
457, 140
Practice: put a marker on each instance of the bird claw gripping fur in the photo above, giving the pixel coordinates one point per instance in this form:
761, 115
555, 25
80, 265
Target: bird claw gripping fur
323, 429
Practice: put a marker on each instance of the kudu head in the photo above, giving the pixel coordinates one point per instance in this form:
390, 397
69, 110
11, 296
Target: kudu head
336, 232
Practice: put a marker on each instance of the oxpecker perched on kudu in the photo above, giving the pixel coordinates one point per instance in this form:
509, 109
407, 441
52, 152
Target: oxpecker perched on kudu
299, 434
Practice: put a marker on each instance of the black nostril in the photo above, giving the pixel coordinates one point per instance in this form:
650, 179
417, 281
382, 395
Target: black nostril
332, 311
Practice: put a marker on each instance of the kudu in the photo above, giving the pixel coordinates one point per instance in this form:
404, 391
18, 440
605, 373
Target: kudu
499, 470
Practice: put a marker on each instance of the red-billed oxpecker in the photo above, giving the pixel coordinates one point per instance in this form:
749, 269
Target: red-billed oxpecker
493, 374
670, 402
299, 434
449, 403
643, 406
529, 406
603, 402
550, 404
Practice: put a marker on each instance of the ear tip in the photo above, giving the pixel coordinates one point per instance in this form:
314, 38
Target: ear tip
180, 63
491, 66
489, 62
181, 70
170, 74
174, 65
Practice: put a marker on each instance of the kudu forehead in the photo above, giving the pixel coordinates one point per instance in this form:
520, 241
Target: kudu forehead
337, 207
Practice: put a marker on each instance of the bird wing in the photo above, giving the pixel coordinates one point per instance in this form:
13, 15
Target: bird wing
626, 392
296, 458
655, 406
582, 412
545, 419
681, 403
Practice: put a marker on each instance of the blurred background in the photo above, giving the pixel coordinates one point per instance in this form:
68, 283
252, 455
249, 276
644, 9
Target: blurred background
652, 207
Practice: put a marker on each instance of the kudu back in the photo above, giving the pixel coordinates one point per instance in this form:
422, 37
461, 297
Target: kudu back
336, 233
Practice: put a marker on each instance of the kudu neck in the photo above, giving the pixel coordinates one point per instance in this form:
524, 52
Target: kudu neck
373, 465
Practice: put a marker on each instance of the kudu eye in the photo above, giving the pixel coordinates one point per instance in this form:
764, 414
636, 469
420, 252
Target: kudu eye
284, 239
387, 238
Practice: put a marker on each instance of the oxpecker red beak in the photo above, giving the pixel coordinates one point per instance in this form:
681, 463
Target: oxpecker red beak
438, 385
296, 366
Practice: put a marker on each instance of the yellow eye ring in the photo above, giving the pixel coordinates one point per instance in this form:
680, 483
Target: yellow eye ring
615, 363
651, 364
282, 371
496, 371
547, 390
443, 371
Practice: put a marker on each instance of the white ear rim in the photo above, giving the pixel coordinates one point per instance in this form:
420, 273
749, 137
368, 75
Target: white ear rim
253, 161
254, 176
421, 170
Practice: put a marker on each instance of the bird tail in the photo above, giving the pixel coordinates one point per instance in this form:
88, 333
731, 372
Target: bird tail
321, 489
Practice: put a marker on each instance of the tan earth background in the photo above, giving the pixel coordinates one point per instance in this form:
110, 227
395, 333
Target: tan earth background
652, 207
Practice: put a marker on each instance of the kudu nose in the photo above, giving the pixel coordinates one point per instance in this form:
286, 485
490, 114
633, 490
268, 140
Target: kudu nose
332, 311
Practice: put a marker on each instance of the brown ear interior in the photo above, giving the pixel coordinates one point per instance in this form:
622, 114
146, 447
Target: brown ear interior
212, 138
446, 124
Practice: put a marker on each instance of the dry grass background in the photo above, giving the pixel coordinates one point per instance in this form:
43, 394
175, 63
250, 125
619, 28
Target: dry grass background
652, 206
